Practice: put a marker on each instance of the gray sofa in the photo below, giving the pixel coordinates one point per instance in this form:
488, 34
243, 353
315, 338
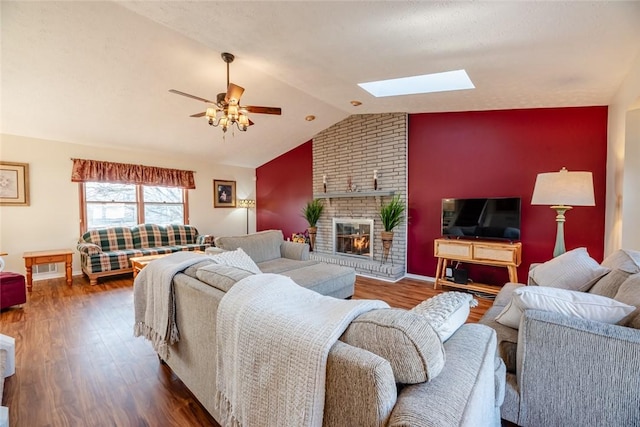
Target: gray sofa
273, 254
567, 371
360, 388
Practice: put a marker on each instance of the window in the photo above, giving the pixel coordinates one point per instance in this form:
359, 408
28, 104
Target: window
111, 204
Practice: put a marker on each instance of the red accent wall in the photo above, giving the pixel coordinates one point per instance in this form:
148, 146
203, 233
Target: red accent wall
283, 186
499, 154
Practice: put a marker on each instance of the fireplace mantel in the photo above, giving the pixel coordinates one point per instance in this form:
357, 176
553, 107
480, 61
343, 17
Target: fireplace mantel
353, 194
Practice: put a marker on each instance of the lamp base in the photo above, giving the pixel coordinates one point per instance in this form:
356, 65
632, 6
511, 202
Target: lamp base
559, 248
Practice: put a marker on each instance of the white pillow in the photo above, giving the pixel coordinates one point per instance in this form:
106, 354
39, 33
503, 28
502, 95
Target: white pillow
563, 301
237, 259
446, 312
574, 270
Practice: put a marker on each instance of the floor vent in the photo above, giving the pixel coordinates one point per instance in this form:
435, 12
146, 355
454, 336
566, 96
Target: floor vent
45, 269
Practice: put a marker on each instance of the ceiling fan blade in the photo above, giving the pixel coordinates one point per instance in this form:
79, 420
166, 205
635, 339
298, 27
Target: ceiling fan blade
263, 110
177, 92
234, 92
199, 114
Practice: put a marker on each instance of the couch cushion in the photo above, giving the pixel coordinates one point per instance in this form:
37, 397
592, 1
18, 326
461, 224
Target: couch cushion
237, 259
326, 279
404, 338
280, 265
110, 239
192, 269
446, 312
571, 303
261, 246
622, 263
181, 234
222, 277
629, 293
507, 337
574, 270
149, 235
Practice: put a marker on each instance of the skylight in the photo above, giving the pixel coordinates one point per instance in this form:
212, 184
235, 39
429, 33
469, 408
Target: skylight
427, 83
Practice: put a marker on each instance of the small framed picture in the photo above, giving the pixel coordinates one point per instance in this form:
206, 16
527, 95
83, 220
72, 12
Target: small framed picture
224, 194
14, 184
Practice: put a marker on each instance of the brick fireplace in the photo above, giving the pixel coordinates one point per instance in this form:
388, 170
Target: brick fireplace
345, 157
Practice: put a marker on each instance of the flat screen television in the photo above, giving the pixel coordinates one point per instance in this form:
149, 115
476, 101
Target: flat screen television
488, 218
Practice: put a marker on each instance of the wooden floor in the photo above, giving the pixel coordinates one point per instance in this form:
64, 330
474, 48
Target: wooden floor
78, 364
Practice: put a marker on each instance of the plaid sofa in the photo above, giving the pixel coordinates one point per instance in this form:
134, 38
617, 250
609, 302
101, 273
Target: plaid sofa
106, 251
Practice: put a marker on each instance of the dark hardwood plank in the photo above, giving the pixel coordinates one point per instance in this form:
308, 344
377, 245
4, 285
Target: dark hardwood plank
78, 363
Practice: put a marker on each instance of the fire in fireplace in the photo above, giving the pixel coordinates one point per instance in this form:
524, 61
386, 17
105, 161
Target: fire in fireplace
352, 236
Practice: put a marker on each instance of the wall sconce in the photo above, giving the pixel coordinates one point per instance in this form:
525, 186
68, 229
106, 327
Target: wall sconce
562, 190
247, 203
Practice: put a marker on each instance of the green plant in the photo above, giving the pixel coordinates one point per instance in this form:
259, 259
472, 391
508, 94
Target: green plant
391, 214
312, 211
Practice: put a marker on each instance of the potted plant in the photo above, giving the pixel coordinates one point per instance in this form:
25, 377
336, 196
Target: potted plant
312, 212
391, 215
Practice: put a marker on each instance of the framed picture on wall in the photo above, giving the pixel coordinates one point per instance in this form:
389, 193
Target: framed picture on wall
224, 194
14, 184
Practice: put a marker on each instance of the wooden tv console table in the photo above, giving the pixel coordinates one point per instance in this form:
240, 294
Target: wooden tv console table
497, 254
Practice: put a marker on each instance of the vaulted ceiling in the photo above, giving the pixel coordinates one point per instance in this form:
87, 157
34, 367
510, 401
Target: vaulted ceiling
98, 72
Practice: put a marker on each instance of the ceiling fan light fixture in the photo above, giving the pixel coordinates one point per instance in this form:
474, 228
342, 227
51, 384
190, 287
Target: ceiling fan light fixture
228, 106
243, 122
232, 112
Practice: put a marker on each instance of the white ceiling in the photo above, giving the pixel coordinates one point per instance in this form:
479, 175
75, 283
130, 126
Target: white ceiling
98, 72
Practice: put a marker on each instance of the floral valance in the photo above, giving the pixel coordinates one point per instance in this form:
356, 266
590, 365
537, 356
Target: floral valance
97, 171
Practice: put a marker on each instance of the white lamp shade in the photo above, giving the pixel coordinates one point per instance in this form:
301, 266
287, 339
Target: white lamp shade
564, 188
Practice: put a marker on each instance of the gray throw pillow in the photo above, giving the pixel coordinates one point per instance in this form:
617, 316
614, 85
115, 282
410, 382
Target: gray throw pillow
574, 270
404, 338
622, 263
629, 293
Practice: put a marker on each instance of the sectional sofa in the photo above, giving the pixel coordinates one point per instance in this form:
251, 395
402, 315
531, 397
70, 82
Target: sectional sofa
456, 383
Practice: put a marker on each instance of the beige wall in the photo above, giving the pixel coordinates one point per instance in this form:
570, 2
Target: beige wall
621, 168
52, 219
631, 182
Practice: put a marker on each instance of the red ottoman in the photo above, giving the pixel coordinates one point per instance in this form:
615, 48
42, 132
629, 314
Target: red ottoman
12, 290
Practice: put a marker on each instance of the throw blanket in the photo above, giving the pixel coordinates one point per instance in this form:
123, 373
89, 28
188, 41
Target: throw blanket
154, 300
273, 339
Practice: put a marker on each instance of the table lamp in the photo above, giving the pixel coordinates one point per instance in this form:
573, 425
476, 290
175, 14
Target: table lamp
563, 190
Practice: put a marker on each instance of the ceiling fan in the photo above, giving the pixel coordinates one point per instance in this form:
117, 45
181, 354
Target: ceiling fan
226, 109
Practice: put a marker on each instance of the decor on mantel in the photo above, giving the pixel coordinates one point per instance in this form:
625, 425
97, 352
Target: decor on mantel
391, 215
312, 212
324, 183
375, 179
351, 194
562, 190
350, 185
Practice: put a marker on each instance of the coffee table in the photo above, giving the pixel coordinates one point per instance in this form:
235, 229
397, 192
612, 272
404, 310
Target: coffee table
140, 262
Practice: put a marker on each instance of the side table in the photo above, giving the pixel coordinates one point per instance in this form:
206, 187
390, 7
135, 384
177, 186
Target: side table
48, 257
